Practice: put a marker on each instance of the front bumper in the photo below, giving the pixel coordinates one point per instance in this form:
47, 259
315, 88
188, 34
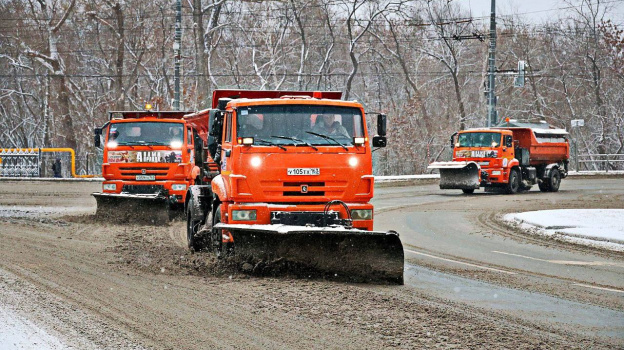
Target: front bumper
266, 214
152, 188
492, 176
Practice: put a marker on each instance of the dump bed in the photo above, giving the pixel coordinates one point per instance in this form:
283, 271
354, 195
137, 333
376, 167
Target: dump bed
545, 145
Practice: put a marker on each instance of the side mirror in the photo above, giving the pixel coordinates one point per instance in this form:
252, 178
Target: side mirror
97, 133
508, 141
379, 141
453, 140
381, 124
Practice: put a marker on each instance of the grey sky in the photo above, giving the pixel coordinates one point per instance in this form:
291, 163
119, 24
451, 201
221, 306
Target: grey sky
538, 11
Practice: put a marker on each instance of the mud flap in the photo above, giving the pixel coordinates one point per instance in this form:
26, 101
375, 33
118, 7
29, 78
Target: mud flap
123, 208
458, 175
334, 252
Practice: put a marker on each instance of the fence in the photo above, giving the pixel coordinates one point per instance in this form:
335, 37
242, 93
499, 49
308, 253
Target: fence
600, 162
37, 162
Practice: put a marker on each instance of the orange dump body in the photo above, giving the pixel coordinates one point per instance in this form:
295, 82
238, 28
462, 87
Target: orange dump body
544, 147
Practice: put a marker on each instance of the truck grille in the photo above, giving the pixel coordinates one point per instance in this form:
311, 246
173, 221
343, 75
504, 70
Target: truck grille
293, 189
138, 170
142, 189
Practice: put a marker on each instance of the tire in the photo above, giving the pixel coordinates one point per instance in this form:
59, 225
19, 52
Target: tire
544, 186
468, 190
192, 227
514, 182
554, 180
220, 249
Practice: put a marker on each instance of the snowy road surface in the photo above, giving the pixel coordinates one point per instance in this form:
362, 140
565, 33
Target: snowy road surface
472, 281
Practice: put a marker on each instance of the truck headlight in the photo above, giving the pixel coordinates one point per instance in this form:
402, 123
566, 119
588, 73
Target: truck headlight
109, 187
496, 172
178, 187
362, 214
244, 215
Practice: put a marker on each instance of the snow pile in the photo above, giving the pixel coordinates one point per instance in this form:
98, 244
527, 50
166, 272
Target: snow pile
602, 228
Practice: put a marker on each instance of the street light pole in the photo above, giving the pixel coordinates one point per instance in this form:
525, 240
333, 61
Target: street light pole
176, 56
492, 118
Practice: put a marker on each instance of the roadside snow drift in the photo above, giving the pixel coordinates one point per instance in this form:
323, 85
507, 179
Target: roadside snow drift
602, 228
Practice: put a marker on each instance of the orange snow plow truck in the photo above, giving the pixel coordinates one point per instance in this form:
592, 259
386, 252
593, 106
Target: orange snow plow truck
509, 158
148, 166
293, 184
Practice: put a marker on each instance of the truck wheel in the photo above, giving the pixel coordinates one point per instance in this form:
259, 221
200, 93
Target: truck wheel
554, 180
468, 190
192, 227
514, 182
544, 186
221, 249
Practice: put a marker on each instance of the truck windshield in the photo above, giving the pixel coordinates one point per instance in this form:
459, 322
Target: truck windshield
479, 139
292, 124
147, 133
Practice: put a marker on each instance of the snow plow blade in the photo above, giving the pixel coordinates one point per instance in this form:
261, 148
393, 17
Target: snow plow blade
150, 209
458, 175
334, 252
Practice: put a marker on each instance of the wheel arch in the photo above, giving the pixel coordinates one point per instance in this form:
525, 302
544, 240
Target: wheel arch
549, 168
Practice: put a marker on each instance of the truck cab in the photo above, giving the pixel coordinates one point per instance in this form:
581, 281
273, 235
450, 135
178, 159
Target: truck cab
147, 153
491, 149
281, 160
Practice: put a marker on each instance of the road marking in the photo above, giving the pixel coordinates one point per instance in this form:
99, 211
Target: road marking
460, 262
595, 287
564, 262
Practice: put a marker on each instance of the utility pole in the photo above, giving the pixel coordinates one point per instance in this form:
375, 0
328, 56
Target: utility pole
177, 55
491, 97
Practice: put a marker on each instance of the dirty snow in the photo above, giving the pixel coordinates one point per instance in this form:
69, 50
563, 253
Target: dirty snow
17, 211
602, 228
17, 333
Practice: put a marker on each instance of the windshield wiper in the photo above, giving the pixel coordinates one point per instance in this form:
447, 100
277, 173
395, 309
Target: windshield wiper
328, 138
297, 140
135, 143
267, 142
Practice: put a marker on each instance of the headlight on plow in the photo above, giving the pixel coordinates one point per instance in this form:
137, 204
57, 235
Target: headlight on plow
244, 215
109, 187
362, 214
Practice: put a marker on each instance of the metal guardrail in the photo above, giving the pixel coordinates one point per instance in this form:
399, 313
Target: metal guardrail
608, 161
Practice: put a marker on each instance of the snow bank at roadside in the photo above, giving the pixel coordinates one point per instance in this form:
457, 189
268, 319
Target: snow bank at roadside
601, 228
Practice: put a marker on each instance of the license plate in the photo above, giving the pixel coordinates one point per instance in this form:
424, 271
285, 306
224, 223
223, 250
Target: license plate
304, 171
146, 177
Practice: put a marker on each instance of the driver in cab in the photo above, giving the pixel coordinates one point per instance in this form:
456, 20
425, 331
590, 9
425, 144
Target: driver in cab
326, 125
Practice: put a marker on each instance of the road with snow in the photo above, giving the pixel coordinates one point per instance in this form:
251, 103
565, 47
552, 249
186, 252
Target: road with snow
471, 281
465, 239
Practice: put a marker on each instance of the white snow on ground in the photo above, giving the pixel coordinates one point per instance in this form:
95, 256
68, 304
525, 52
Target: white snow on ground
603, 228
17, 333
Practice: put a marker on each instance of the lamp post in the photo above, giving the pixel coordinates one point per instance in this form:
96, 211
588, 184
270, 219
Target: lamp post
576, 123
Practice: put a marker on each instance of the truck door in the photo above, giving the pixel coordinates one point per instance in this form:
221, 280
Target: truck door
226, 151
508, 149
190, 150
